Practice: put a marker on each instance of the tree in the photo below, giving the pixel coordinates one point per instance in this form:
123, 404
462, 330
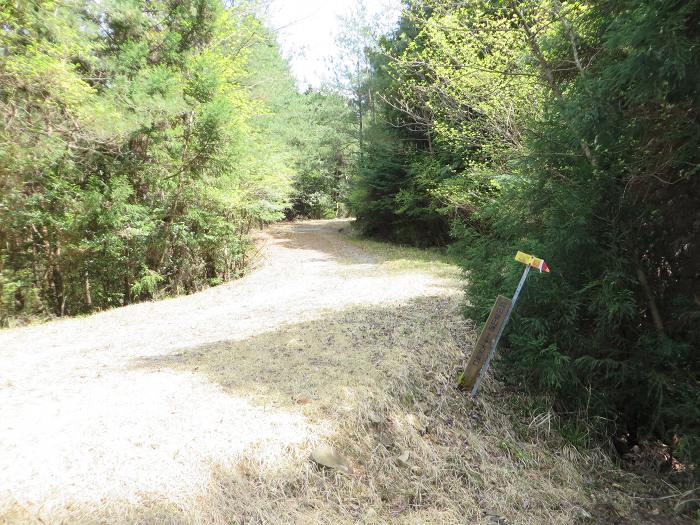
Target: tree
353, 67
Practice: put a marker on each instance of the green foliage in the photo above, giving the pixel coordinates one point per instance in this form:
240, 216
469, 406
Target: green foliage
618, 248
569, 130
394, 198
147, 283
138, 148
324, 155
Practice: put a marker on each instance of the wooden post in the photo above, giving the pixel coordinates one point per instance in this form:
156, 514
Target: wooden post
486, 342
485, 347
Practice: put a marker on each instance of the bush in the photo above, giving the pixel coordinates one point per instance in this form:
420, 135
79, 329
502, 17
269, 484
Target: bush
395, 197
614, 327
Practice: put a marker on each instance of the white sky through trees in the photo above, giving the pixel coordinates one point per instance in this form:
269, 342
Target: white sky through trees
308, 29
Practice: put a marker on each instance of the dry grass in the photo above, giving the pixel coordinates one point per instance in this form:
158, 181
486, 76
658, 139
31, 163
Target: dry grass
351, 344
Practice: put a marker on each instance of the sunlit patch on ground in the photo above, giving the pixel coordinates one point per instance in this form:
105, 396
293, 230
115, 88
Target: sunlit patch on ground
120, 435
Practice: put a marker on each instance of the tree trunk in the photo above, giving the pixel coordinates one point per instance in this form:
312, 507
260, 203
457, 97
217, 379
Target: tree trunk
653, 309
359, 112
57, 283
88, 294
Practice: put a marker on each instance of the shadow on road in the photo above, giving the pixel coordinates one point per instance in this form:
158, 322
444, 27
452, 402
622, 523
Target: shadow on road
323, 362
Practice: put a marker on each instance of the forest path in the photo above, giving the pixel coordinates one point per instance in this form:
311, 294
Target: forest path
130, 413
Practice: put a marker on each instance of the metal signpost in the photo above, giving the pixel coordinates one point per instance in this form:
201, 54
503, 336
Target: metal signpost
485, 348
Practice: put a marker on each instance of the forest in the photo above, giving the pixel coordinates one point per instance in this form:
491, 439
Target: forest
143, 141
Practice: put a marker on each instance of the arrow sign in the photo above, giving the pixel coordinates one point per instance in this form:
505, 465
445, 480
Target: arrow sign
532, 261
485, 348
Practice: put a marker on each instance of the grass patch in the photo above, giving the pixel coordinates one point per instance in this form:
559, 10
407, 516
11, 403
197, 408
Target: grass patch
398, 258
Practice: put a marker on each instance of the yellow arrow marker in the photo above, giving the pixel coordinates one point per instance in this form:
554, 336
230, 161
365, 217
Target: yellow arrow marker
531, 260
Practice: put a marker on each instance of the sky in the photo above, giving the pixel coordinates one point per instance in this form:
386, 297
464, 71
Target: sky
307, 31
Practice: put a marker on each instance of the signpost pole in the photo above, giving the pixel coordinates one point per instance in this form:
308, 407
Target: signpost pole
486, 344
500, 332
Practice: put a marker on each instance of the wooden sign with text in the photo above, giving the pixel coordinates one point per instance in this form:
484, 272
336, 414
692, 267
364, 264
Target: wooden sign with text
488, 338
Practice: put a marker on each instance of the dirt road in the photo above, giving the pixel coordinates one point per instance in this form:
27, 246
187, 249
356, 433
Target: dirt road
113, 415
206, 409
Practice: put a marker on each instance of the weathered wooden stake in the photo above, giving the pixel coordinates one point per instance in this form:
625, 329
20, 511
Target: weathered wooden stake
487, 343
492, 352
487, 340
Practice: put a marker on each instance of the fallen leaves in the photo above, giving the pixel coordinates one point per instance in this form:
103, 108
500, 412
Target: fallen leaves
327, 457
402, 460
